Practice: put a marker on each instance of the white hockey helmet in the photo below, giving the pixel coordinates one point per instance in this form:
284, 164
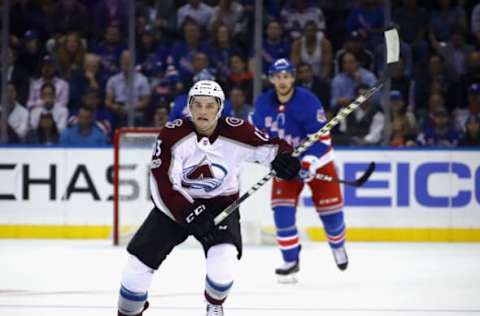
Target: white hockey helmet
207, 88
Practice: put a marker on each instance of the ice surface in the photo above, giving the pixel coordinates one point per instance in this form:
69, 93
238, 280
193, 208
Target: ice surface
70, 277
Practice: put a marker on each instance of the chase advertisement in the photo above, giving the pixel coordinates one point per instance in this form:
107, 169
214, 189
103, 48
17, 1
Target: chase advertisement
73, 186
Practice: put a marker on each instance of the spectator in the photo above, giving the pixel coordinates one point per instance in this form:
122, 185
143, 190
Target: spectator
117, 93
364, 127
166, 88
345, 83
455, 52
109, 50
85, 78
447, 18
400, 136
240, 77
70, 15
70, 54
355, 44
275, 46
46, 133
160, 116
434, 80
472, 132
16, 74
471, 76
296, 16
404, 84
24, 16
412, 21
48, 75
228, 13
307, 79
472, 108
17, 117
194, 10
183, 51
48, 104
222, 49
30, 53
314, 49
240, 109
151, 54
92, 99
111, 13
368, 19
475, 24
440, 134
424, 115
400, 111
85, 132
200, 62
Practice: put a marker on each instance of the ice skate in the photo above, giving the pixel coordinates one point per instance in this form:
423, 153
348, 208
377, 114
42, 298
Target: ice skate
144, 308
287, 273
214, 310
341, 258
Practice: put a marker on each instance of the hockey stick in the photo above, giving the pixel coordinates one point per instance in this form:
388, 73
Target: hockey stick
355, 183
393, 51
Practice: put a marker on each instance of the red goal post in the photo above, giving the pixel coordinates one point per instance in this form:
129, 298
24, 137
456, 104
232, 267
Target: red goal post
137, 135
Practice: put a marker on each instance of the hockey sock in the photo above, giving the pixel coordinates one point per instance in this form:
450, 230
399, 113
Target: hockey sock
334, 226
136, 280
287, 233
221, 266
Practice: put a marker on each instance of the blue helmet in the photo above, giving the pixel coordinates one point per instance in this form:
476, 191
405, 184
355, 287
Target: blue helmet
279, 65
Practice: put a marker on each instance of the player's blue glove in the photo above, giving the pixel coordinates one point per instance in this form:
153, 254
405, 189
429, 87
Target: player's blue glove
309, 166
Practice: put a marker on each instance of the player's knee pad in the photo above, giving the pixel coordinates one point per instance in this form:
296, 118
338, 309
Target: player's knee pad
136, 280
284, 216
334, 226
221, 267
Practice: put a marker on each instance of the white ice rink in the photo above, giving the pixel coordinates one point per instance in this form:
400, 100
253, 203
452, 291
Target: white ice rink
68, 277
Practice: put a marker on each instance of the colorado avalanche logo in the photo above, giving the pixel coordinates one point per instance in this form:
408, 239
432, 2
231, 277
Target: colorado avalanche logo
204, 176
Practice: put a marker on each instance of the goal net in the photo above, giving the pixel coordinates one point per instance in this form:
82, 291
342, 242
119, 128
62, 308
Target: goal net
131, 195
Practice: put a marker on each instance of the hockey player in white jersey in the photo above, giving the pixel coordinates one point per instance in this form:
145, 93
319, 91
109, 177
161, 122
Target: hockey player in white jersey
194, 176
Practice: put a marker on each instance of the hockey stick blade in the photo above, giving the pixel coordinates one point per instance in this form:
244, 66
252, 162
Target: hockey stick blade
393, 53
360, 181
355, 183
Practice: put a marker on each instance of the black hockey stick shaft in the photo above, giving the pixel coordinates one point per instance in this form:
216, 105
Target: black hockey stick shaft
355, 183
392, 43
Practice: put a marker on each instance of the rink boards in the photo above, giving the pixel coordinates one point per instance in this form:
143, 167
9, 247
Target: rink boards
414, 195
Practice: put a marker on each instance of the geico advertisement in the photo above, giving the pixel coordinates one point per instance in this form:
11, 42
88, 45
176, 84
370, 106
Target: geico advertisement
408, 188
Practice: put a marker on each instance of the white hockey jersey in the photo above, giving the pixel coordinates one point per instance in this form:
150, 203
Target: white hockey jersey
187, 166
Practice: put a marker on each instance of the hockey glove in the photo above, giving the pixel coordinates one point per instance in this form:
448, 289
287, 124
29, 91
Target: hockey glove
200, 222
309, 164
285, 166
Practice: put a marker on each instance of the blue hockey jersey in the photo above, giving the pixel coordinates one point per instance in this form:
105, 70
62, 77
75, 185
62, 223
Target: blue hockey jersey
302, 115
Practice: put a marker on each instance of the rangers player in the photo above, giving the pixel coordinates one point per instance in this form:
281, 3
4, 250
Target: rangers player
291, 113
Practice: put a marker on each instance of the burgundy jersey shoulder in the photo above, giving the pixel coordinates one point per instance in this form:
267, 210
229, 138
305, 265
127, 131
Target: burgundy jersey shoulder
175, 130
246, 133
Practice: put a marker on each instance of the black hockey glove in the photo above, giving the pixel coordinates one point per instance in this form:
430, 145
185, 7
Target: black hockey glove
285, 166
199, 222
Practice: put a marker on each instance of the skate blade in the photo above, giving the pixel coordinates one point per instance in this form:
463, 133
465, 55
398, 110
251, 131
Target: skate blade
287, 279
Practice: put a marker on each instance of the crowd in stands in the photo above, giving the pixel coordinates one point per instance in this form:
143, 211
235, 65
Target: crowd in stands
68, 65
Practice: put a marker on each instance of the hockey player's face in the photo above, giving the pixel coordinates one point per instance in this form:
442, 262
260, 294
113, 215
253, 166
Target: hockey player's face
283, 83
204, 111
